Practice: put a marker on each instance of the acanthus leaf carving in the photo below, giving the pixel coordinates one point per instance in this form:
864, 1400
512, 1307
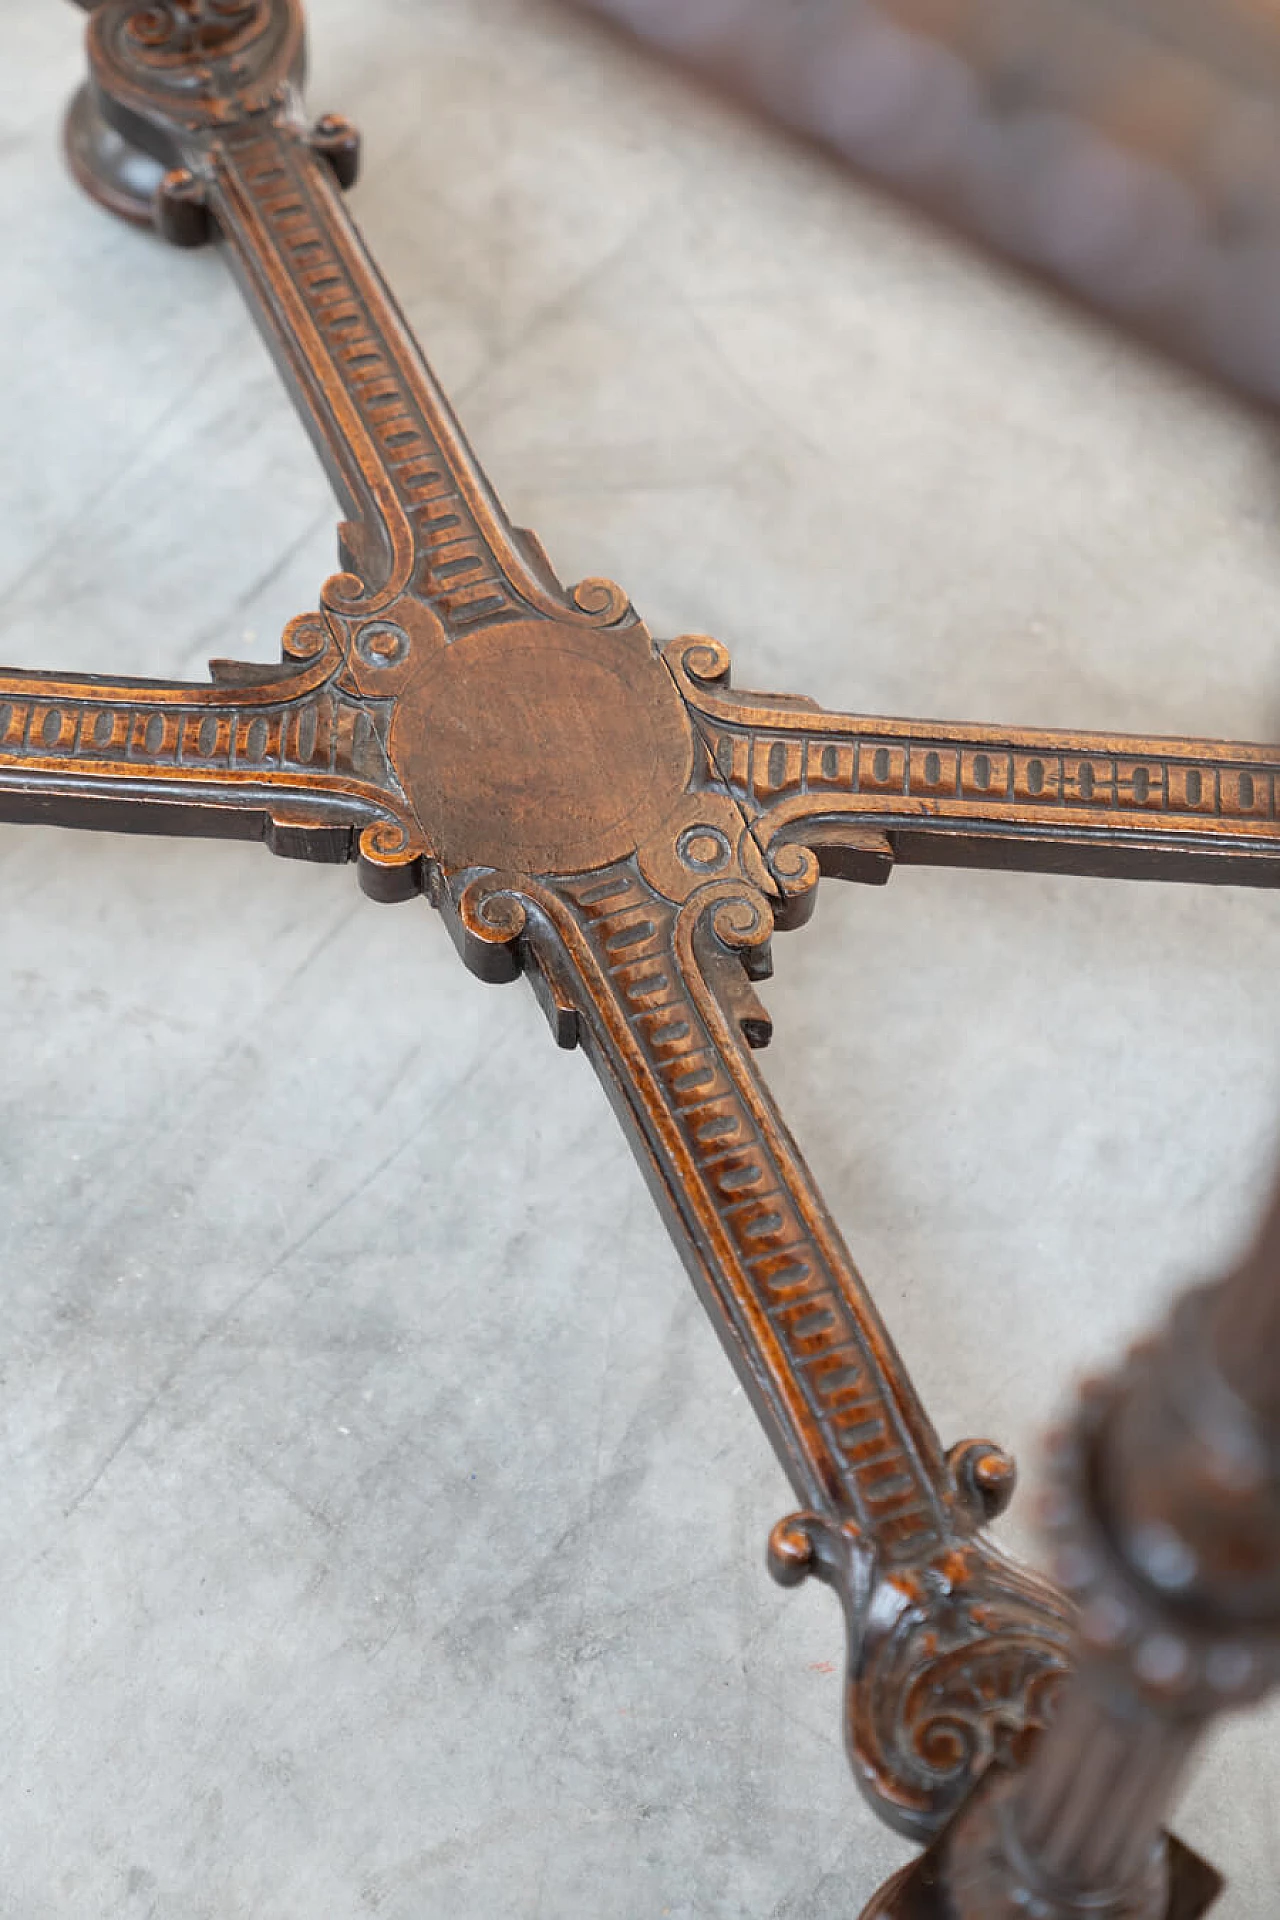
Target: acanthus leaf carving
628, 832
951, 1661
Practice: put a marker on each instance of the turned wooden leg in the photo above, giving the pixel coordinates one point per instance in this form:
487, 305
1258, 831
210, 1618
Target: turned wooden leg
629, 831
1165, 1515
120, 177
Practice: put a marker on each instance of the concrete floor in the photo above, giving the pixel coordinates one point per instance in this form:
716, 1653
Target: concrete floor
383, 1530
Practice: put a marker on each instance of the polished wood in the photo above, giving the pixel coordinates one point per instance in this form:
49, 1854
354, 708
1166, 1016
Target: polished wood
921, 1891
612, 820
1164, 1515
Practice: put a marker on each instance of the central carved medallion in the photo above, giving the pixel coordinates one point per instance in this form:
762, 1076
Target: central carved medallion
541, 746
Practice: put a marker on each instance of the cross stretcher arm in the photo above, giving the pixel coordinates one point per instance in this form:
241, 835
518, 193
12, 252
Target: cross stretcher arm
609, 821
862, 793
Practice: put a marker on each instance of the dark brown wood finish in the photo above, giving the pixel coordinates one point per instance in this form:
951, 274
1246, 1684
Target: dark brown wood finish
1164, 1515
610, 820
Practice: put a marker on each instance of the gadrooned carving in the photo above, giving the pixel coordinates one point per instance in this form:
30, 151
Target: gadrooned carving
628, 832
180, 69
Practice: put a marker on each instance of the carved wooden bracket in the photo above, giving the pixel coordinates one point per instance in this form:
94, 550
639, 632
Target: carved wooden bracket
615, 823
1164, 1516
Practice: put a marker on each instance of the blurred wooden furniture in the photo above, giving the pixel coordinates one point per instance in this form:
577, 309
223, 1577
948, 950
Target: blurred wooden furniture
1128, 152
613, 821
1164, 1512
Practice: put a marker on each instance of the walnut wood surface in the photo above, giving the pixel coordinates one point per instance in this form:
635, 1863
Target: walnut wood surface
610, 819
1164, 1516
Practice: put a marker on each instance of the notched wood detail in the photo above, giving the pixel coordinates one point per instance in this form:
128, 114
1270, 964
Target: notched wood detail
861, 793
954, 1652
425, 520
286, 753
621, 828
217, 101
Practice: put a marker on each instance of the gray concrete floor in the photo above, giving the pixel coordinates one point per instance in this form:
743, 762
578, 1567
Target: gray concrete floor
383, 1531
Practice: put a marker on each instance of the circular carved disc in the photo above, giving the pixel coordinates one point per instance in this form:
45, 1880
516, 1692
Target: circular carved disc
543, 747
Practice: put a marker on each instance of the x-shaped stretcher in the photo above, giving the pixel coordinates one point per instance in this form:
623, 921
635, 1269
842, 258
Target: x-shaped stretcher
614, 821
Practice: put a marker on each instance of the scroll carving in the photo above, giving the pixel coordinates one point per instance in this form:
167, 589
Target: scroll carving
192, 66
291, 752
952, 1661
843, 785
953, 1651
614, 823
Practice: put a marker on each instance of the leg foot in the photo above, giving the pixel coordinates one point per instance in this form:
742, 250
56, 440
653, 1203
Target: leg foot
955, 1880
118, 176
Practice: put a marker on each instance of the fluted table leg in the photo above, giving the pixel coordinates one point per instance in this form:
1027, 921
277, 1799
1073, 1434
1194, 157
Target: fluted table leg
1165, 1517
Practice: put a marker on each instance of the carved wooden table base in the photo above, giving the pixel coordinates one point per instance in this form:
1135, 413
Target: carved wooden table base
1164, 1510
615, 822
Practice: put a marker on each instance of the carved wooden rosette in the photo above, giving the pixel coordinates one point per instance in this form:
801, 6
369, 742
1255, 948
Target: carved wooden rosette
616, 825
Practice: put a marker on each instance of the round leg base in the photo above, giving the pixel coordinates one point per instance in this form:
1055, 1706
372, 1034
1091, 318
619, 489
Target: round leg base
885, 1905
119, 177
923, 1891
